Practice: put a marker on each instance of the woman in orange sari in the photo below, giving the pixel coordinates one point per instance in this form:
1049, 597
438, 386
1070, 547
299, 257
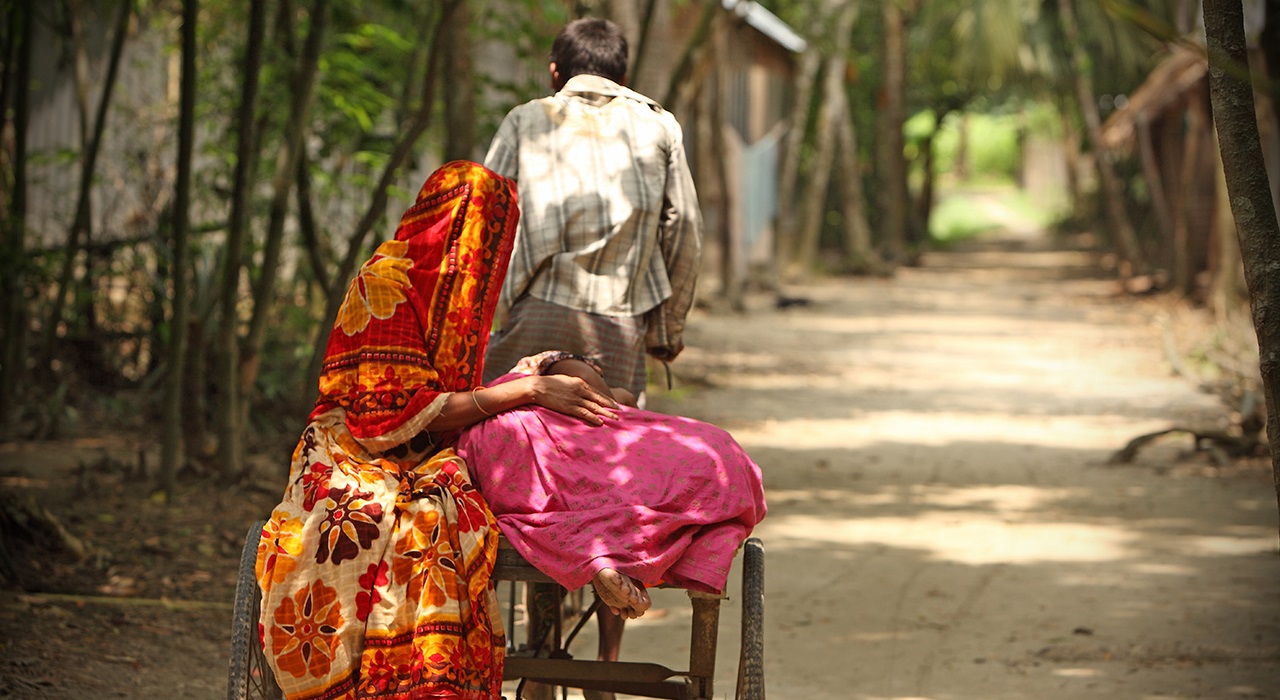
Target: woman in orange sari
375, 566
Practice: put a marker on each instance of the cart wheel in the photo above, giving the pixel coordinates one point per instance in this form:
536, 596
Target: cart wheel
751, 658
248, 675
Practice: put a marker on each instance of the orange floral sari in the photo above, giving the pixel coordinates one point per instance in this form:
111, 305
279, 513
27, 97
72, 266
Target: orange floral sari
375, 566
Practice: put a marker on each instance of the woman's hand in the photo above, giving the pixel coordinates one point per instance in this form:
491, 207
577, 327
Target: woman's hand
573, 396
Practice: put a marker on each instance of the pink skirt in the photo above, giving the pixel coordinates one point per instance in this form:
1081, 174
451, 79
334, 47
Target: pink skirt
660, 498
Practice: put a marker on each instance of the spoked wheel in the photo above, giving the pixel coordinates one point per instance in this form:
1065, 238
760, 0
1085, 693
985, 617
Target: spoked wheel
248, 675
751, 658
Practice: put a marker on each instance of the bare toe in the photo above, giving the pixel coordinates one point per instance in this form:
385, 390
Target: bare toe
643, 602
609, 589
624, 596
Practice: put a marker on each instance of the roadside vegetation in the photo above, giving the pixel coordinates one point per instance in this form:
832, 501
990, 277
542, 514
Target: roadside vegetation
188, 185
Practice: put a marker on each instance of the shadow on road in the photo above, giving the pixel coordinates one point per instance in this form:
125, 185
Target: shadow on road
943, 523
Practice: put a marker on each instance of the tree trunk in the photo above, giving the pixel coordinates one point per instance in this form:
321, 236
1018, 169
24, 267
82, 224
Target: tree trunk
1023, 135
1250, 192
1159, 200
832, 109
642, 43
12, 263
1071, 157
922, 211
1122, 233
961, 168
230, 431
1225, 286
378, 203
318, 253
281, 187
730, 284
1185, 17
80, 63
1269, 41
805, 253
81, 224
195, 404
11, 41
892, 171
860, 254
1187, 182
422, 13
459, 82
83, 310
789, 171
171, 442
685, 80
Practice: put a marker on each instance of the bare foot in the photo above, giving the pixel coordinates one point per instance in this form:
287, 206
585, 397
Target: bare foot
624, 596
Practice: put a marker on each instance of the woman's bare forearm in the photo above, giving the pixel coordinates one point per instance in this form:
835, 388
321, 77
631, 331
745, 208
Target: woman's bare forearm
569, 395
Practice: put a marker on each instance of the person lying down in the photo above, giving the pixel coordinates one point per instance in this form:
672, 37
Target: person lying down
623, 500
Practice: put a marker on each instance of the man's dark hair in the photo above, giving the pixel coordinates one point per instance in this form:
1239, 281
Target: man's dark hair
590, 46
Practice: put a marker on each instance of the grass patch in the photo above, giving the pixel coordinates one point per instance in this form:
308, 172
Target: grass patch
969, 213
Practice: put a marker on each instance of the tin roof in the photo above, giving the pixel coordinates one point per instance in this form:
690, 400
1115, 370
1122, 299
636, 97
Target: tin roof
767, 23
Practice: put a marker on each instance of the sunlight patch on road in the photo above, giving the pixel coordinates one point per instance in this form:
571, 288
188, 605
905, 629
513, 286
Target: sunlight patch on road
934, 329
916, 428
1006, 500
1163, 569
1077, 672
1262, 543
966, 538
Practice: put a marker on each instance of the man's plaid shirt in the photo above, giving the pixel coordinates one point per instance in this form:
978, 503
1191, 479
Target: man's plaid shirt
609, 219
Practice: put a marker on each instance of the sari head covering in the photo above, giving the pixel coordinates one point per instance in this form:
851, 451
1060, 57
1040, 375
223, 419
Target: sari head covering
374, 567
416, 319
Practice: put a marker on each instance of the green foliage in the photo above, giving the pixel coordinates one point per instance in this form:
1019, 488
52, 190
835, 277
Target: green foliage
1015, 48
918, 126
527, 32
983, 57
361, 74
992, 145
283, 372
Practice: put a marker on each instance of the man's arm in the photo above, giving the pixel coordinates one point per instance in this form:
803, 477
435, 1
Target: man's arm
503, 156
680, 236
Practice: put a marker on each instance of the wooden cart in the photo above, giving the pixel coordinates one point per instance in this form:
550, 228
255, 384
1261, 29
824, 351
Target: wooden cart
250, 678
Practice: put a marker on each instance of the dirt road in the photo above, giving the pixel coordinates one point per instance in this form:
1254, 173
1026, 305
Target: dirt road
942, 521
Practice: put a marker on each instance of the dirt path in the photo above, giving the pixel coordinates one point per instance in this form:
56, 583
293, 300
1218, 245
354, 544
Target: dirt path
942, 523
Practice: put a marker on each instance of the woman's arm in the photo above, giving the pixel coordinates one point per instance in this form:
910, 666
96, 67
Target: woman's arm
588, 372
578, 368
571, 395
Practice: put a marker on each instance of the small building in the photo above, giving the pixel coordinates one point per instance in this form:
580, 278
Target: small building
1166, 125
735, 106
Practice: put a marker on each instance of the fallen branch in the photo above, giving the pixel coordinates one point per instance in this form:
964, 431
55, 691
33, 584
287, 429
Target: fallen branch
27, 521
167, 603
1221, 444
